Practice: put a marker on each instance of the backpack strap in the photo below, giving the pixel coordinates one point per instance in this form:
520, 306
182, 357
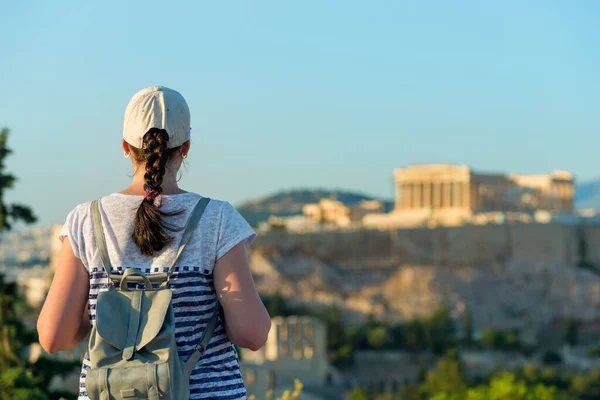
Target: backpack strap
188, 230
100, 241
212, 323
203, 342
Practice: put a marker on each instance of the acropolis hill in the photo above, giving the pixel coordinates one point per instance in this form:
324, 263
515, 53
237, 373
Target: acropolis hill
508, 247
512, 276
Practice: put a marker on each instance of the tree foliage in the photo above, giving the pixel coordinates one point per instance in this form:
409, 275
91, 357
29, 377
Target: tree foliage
10, 213
571, 331
500, 340
19, 380
447, 381
468, 327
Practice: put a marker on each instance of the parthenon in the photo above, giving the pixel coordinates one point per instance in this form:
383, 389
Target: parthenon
457, 189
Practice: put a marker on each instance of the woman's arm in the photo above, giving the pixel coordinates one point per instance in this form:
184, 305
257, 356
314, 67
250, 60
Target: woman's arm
247, 321
63, 321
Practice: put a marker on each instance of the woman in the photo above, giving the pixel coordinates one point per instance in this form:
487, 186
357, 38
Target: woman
143, 225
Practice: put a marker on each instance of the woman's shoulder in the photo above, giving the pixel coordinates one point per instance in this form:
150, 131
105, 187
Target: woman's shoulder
80, 210
221, 205
190, 199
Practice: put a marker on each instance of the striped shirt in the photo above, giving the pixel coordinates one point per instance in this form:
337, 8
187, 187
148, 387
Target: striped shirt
217, 373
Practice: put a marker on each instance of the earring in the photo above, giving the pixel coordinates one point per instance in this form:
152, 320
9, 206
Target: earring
126, 155
184, 156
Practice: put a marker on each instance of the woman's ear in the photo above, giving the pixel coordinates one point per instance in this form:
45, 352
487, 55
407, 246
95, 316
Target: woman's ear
125, 146
185, 148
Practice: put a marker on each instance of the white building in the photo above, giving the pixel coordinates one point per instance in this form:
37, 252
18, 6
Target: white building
296, 349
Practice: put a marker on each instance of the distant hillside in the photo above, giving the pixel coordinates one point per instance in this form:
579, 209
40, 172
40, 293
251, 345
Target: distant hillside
587, 194
288, 203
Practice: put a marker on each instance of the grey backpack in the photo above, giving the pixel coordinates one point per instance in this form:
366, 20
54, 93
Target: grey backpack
132, 349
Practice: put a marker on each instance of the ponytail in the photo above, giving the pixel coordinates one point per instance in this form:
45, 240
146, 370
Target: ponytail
149, 228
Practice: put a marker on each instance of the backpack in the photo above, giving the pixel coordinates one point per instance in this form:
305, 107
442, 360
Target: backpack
132, 349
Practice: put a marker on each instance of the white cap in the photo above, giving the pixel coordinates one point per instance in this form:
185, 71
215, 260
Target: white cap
157, 107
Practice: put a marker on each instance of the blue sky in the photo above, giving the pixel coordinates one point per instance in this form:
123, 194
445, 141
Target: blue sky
298, 94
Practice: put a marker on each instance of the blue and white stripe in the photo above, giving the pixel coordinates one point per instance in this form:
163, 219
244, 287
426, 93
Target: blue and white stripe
217, 374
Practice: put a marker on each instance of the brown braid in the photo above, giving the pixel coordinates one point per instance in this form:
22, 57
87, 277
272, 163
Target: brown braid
149, 229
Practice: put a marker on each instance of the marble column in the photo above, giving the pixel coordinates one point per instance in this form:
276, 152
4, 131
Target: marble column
427, 194
456, 195
437, 195
404, 204
417, 195
446, 194
409, 195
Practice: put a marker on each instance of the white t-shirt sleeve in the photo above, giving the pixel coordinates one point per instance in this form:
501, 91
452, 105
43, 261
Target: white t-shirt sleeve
233, 229
72, 229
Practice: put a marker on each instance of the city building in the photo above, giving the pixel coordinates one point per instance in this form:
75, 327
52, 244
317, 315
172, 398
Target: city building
296, 349
366, 207
327, 214
294, 223
328, 211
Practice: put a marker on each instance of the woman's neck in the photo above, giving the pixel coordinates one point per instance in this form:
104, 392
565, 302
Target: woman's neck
169, 185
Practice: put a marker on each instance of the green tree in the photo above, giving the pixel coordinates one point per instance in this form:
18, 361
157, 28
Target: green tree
10, 325
447, 378
13, 333
11, 329
397, 334
378, 337
16, 383
529, 373
410, 392
571, 331
499, 340
10, 213
551, 357
468, 326
421, 368
344, 355
488, 338
440, 331
506, 386
276, 305
16, 376
17, 379
388, 396
593, 350
336, 336
586, 387
358, 393
414, 336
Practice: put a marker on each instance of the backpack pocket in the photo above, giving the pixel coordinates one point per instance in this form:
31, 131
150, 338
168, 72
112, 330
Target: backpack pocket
149, 381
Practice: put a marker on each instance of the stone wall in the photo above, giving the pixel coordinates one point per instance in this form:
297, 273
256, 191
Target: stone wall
471, 245
345, 248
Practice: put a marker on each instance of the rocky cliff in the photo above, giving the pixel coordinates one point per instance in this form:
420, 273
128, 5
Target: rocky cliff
520, 278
